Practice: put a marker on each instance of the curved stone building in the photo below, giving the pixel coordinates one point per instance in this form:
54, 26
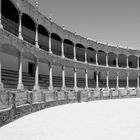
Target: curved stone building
43, 64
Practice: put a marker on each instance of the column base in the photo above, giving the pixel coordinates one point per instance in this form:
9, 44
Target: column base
36, 87
1, 26
63, 56
63, 88
50, 51
50, 88
20, 87
1, 86
20, 37
75, 89
86, 88
37, 45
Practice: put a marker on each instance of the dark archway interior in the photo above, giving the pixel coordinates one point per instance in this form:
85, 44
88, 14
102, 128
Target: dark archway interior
43, 38
56, 44
68, 49
112, 59
122, 60
132, 61
28, 29
101, 57
91, 55
10, 18
80, 52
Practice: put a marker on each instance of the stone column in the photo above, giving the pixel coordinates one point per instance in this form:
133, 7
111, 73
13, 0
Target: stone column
36, 86
85, 55
20, 26
138, 62
1, 26
138, 80
63, 77
127, 65
96, 57
50, 43
117, 78
97, 80
75, 79
36, 37
20, 85
86, 78
107, 59
127, 80
75, 52
50, 77
62, 49
1, 84
107, 80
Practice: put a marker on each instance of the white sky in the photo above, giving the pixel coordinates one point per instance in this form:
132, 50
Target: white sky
113, 21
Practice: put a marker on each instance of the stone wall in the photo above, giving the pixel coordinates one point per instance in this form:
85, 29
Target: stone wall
15, 104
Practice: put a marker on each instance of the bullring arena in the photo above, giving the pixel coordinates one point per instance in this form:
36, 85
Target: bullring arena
44, 65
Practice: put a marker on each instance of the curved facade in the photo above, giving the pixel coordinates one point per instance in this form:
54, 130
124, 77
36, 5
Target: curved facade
61, 59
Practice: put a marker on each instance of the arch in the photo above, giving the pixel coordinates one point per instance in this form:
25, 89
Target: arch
68, 49
122, 60
91, 55
10, 17
56, 44
43, 38
112, 59
80, 52
132, 61
101, 57
28, 29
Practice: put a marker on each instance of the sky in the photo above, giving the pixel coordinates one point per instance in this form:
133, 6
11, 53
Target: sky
114, 22
98, 120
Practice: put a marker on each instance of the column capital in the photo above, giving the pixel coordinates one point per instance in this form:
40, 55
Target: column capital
63, 67
20, 13
75, 69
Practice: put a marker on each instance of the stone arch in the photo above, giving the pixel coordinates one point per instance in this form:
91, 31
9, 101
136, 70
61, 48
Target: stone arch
101, 57
56, 43
132, 61
112, 59
80, 52
68, 49
43, 38
10, 17
122, 60
28, 29
91, 55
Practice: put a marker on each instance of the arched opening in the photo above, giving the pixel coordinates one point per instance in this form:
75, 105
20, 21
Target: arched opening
80, 52
132, 61
122, 60
80, 78
122, 80
56, 44
28, 29
112, 79
101, 57
102, 79
132, 79
111, 59
68, 49
91, 55
43, 38
10, 17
